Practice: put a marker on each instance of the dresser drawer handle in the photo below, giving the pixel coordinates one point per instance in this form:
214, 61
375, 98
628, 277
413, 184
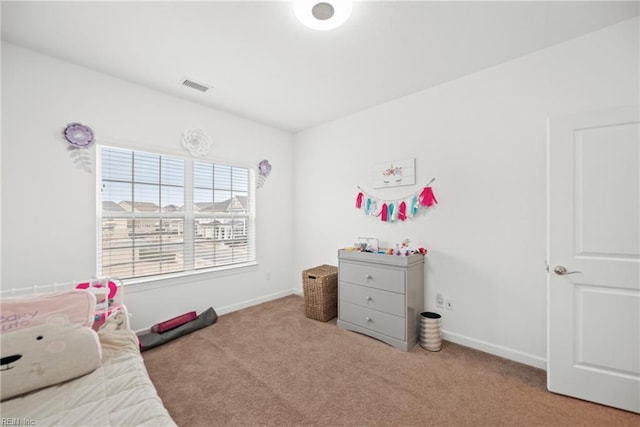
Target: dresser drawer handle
368, 319
368, 277
368, 298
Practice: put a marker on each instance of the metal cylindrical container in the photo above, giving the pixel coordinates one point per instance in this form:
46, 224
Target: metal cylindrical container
430, 337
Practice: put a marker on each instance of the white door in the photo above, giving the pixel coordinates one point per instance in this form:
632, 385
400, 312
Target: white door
593, 347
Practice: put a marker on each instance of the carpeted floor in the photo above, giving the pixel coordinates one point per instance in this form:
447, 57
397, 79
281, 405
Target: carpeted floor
270, 365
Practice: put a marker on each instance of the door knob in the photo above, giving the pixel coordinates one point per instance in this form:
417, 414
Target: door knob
560, 270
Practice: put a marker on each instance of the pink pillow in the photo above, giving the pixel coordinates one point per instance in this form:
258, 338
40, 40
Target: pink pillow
76, 307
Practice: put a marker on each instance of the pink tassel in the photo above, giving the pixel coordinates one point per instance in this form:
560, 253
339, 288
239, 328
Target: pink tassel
431, 198
359, 200
402, 211
427, 198
385, 212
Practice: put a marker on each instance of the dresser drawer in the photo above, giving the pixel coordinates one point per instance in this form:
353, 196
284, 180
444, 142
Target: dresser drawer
386, 279
383, 323
388, 302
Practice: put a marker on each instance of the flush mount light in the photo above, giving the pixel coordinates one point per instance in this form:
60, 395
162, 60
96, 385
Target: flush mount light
322, 14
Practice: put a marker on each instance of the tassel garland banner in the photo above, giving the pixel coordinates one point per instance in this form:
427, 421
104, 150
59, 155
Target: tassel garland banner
399, 209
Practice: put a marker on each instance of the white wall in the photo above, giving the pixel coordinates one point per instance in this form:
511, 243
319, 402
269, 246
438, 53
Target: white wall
484, 139
48, 206
482, 136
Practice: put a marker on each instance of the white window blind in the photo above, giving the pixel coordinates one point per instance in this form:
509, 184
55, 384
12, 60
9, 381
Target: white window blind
166, 215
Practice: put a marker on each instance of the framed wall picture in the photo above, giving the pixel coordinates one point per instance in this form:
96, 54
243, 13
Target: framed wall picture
394, 173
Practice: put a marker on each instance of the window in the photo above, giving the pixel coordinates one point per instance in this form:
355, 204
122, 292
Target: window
161, 215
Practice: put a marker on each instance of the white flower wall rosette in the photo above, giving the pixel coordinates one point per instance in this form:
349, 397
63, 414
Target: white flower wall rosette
196, 141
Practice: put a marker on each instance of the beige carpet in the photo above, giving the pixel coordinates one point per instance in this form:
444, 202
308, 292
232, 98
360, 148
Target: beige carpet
270, 365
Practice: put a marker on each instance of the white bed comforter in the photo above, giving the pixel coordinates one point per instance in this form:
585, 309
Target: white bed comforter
119, 393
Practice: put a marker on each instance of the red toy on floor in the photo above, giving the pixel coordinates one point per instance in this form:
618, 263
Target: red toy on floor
161, 327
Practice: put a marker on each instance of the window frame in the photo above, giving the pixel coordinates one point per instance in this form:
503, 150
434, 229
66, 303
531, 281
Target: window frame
188, 215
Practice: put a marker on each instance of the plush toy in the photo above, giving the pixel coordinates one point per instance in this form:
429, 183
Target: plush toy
402, 248
47, 340
115, 322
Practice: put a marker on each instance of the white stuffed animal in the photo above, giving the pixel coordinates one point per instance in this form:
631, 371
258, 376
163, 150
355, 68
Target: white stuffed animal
47, 340
115, 322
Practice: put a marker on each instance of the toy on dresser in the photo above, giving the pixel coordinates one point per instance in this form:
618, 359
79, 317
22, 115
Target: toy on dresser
403, 248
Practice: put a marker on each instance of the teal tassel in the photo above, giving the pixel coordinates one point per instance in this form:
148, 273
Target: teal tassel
414, 206
368, 207
390, 209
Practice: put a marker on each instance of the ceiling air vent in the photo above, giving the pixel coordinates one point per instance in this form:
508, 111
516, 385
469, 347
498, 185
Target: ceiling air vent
194, 85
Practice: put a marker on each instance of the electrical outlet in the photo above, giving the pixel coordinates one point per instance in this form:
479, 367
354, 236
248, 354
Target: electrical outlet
439, 300
449, 303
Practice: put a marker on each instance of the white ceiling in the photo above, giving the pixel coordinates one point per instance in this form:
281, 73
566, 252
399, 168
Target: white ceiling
264, 65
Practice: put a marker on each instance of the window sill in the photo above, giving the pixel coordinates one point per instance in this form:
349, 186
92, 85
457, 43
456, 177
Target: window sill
176, 279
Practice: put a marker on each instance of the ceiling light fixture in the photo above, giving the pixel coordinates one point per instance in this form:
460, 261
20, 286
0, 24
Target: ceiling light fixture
322, 14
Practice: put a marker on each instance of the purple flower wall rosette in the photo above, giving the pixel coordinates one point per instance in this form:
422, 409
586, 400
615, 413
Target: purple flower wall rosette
79, 135
264, 169
80, 138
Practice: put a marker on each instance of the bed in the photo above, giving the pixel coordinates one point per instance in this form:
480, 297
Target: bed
116, 390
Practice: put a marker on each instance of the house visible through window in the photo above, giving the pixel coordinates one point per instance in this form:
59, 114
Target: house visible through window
161, 214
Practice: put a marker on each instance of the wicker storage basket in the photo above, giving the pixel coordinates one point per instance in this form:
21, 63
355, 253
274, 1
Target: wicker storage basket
320, 286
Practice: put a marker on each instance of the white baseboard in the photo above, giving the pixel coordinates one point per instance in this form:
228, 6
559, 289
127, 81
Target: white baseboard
252, 302
244, 304
496, 350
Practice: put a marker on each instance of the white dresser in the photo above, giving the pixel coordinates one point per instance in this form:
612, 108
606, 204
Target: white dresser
381, 296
